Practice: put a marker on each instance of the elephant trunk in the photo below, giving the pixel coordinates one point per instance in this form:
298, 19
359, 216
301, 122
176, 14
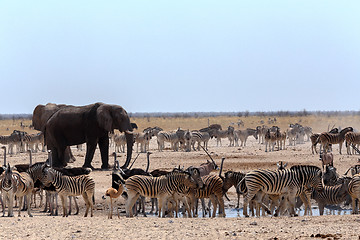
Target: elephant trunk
129, 145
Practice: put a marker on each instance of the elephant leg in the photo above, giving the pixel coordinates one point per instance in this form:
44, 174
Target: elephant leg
69, 157
104, 150
58, 157
90, 150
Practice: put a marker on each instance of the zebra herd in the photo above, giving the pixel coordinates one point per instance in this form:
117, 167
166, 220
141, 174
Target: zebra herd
275, 192
23, 141
23, 181
272, 137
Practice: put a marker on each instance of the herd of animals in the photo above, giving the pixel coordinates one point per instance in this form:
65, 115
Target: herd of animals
275, 192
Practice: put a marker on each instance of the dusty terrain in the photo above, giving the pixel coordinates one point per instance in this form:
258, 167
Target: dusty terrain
253, 156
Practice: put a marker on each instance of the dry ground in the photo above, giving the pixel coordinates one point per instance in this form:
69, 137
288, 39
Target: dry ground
42, 226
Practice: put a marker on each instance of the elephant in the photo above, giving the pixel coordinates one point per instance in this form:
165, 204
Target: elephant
41, 115
92, 123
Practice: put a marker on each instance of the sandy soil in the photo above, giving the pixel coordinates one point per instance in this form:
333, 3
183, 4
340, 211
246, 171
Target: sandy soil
42, 226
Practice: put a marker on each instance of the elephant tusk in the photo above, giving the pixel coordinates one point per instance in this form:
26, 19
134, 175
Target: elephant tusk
129, 132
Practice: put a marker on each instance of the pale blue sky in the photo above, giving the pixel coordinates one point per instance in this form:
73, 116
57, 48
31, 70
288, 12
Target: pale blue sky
181, 56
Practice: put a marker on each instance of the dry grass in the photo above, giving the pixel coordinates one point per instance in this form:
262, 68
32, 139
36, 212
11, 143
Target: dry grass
318, 123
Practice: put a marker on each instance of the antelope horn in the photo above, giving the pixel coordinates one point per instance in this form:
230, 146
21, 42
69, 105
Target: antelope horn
134, 161
221, 166
227, 198
347, 171
116, 162
208, 154
148, 161
357, 150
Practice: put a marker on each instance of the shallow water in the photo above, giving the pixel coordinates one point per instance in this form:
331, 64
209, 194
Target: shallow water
233, 212
238, 212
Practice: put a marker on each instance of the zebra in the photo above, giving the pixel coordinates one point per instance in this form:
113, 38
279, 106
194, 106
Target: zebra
354, 191
188, 140
143, 139
271, 138
333, 138
12, 140
292, 133
308, 132
70, 186
120, 142
352, 138
19, 185
153, 132
261, 133
219, 134
244, 134
288, 182
213, 189
233, 179
171, 137
314, 139
281, 137
241, 189
331, 194
32, 141
35, 172
162, 187
199, 137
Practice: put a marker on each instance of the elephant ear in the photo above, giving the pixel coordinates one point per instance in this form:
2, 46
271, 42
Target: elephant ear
104, 118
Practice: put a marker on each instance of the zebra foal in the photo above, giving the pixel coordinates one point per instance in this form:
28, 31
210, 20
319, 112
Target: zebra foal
70, 186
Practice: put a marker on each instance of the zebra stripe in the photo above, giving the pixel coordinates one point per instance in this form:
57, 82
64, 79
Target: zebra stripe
171, 137
71, 186
331, 195
120, 142
33, 140
352, 138
19, 185
271, 138
289, 182
244, 134
354, 191
315, 139
12, 140
233, 179
200, 137
333, 138
160, 187
213, 190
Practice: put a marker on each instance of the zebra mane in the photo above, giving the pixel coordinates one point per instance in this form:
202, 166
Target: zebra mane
296, 167
347, 129
37, 164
